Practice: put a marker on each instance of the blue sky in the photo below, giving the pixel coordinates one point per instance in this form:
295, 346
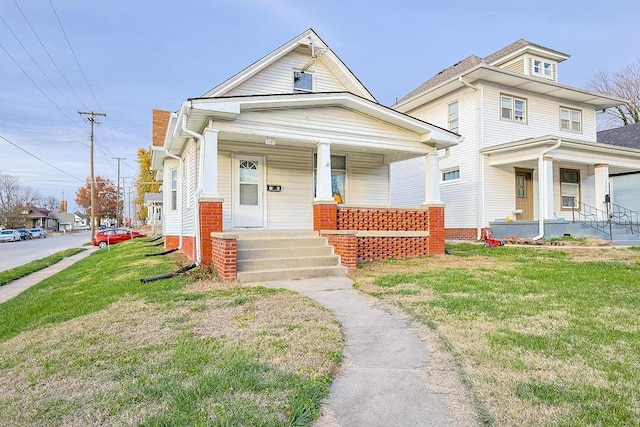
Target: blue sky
140, 55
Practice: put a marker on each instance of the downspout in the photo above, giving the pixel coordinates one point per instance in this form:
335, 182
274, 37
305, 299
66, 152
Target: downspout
198, 192
181, 166
480, 165
542, 180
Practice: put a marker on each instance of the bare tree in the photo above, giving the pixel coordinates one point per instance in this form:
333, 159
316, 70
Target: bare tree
14, 198
51, 203
624, 84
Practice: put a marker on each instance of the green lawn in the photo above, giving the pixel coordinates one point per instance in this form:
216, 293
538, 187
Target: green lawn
16, 273
542, 336
95, 346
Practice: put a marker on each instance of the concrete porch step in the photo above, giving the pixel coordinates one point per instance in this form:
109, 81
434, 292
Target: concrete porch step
261, 253
280, 242
285, 263
276, 234
289, 274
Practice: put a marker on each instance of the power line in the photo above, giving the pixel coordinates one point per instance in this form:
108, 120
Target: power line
34, 60
36, 85
74, 56
47, 52
38, 158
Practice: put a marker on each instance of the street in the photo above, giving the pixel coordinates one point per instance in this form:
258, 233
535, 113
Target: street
14, 254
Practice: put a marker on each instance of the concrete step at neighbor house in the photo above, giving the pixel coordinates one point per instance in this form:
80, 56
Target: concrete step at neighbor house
268, 256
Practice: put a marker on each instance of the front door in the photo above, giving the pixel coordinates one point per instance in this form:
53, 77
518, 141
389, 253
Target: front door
524, 195
248, 192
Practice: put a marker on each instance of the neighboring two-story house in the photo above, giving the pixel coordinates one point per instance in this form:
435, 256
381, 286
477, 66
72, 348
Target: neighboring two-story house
529, 158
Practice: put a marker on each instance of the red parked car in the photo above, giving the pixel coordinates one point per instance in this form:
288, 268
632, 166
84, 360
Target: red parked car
112, 236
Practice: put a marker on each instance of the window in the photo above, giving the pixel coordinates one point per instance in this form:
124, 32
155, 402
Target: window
338, 176
570, 120
174, 189
513, 109
302, 82
542, 68
570, 188
450, 174
452, 117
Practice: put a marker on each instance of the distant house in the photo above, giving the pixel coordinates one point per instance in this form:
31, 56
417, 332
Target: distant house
625, 187
153, 203
68, 221
530, 158
293, 143
40, 217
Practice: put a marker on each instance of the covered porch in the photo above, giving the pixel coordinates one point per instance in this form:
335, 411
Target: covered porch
553, 187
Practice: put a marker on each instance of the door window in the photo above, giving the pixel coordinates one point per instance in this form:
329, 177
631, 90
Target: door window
248, 183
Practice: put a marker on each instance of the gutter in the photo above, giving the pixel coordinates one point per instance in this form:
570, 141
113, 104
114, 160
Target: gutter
480, 165
542, 180
198, 192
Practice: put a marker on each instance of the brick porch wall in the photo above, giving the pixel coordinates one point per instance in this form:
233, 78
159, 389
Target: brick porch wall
381, 233
324, 215
210, 222
225, 256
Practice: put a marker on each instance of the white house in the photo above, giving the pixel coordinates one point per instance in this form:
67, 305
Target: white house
293, 142
530, 156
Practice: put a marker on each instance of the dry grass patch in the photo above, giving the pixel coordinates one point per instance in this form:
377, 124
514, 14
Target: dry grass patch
542, 335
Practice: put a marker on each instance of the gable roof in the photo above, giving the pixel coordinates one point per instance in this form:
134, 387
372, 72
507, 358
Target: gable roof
320, 51
625, 136
516, 48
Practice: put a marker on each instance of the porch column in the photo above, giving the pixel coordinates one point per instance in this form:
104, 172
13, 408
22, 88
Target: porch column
601, 172
323, 173
547, 195
209, 163
432, 179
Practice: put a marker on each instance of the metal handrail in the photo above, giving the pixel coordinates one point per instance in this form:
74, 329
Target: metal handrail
627, 218
592, 217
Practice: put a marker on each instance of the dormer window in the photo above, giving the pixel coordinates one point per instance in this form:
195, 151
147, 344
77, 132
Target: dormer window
302, 82
542, 69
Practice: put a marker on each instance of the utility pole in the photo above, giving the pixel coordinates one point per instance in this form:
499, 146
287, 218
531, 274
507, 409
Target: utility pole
92, 118
118, 199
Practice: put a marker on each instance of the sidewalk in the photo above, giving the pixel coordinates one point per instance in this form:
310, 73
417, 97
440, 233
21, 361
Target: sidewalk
12, 289
390, 376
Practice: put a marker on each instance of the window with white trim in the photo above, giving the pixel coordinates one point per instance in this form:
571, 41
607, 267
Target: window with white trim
450, 175
570, 188
452, 116
338, 176
174, 189
542, 69
570, 120
302, 82
513, 109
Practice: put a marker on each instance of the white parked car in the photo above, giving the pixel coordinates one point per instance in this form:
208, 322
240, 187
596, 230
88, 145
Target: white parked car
38, 233
9, 236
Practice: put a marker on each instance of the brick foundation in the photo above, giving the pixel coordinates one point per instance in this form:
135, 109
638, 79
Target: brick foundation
224, 257
470, 234
345, 246
436, 229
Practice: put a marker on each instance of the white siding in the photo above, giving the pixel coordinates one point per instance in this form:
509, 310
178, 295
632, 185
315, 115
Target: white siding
543, 118
171, 219
189, 188
367, 180
278, 77
460, 196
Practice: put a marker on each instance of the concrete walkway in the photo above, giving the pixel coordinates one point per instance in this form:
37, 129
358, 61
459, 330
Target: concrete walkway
12, 289
390, 376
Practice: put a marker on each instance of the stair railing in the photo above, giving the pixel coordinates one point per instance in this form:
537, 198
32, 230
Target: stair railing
592, 217
627, 218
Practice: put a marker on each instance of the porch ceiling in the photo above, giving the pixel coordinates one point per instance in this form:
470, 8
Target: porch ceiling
619, 159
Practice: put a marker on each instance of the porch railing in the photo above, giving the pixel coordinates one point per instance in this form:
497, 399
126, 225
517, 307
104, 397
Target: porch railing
603, 220
592, 217
625, 217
